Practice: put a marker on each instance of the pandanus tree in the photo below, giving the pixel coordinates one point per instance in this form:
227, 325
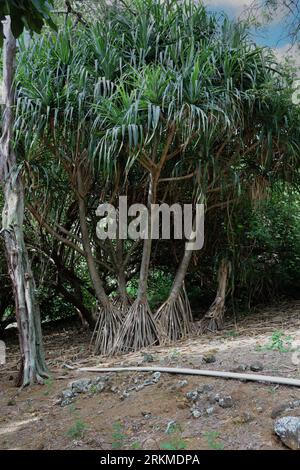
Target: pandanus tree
159, 97
56, 114
14, 16
260, 117
154, 116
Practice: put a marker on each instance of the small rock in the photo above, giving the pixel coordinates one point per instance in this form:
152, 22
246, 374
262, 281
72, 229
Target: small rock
98, 387
192, 395
181, 383
226, 402
68, 393
66, 397
206, 388
196, 413
246, 417
81, 385
209, 358
279, 409
146, 414
288, 429
156, 376
141, 386
256, 366
294, 404
210, 410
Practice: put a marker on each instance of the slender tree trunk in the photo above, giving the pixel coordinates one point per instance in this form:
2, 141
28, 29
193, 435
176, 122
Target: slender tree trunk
139, 329
174, 315
122, 298
33, 367
109, 317
214, 318
180, 274
94, 275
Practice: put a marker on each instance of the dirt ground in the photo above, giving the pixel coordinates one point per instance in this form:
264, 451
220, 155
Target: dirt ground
159, 415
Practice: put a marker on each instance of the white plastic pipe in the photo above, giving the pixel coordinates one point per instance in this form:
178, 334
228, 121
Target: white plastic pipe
207, 373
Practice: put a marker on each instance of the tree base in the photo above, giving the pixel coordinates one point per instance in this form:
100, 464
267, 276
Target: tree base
138, 330
214, 318
107, 326
123, 305
29, 376
175, 318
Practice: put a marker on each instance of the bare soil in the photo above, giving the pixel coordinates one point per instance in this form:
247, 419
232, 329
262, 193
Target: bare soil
32, 418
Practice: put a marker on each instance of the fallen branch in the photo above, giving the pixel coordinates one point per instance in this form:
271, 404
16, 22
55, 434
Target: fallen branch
207, 373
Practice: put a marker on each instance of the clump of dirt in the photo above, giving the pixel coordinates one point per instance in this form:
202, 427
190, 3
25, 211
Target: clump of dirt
147, 411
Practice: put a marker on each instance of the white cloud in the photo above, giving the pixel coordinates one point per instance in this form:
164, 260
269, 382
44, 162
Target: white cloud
288, 51
236, 5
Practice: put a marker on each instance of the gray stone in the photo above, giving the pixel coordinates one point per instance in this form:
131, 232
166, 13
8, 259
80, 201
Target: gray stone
288, 429
68, 393
66, 397
156, 376
181, 383
196, 413
209, 358
81, 385
192, 395
210, 410
98, 387
294, 404
256, 366
226, 402
206, 388
279, 409
284, 407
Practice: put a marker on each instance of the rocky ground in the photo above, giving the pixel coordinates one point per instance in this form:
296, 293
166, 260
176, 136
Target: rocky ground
134, 410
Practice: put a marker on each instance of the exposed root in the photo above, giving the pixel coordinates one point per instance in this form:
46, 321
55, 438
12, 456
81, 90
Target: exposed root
107, 326
122, 305
28, 375
175, 317
214, 318
138, 329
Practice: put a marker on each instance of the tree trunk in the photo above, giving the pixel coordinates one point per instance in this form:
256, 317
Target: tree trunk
109, 317
139, 330
33, 367
214, 318
174, 315
122, 299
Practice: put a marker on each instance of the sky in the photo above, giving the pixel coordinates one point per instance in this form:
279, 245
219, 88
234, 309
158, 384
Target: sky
273, 35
